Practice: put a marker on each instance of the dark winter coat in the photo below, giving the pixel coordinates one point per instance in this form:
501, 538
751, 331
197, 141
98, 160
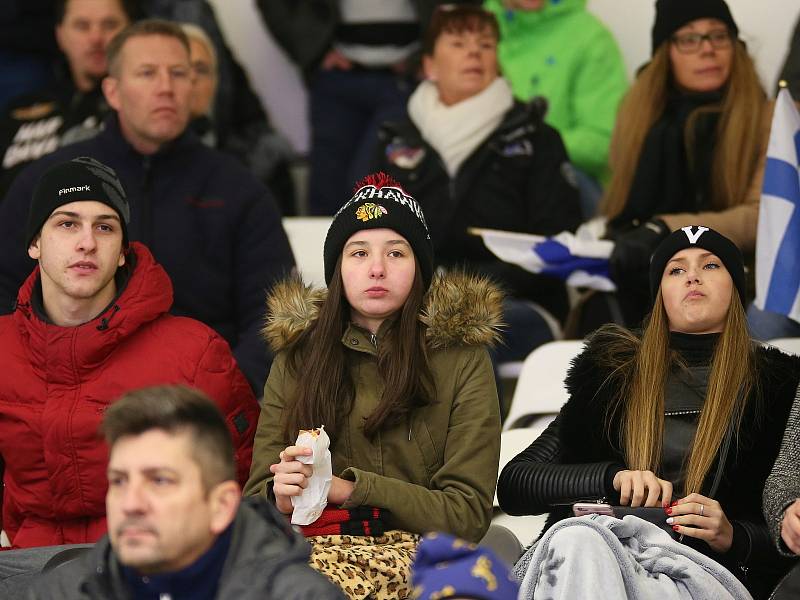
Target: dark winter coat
240, 125
573, 460
206, 219
519, 179
39, 123
305, 29
59, 381
434, 473
267, 560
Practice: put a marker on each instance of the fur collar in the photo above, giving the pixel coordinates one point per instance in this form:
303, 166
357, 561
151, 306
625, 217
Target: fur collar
591, 386
460, 309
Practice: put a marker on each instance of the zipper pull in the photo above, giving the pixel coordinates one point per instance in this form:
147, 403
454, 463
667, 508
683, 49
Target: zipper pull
374, 339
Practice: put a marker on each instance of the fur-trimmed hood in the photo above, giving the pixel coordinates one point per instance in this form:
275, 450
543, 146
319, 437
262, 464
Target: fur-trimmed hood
459, 309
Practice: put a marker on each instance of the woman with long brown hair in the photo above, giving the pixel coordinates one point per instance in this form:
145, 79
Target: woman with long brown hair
686, 415
689, 143
393, 362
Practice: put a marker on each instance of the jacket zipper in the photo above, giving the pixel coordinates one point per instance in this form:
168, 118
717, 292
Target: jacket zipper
145, 211
678, 413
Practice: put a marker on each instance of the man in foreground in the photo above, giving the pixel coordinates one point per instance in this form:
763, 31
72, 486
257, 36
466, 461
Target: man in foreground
177, 525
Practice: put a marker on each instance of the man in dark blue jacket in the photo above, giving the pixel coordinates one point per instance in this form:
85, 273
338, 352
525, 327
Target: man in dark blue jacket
208, 221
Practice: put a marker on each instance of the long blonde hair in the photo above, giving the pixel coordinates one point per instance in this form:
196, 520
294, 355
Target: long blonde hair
640, 394
739, 142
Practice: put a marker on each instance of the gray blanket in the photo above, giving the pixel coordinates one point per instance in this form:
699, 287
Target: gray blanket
597, 556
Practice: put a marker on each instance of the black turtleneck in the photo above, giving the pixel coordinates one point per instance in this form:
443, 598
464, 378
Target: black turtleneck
695, 348
684, 397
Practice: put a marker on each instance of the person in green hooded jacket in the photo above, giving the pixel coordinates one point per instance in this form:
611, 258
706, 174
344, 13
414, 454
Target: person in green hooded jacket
558, 50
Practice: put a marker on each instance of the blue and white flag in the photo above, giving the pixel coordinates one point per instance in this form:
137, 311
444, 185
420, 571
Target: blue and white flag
778, 242
580, 259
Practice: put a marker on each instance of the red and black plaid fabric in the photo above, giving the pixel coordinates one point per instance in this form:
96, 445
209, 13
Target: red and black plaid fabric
363, 520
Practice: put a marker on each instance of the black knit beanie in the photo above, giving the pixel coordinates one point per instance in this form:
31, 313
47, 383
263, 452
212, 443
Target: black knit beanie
695, 236
671, 15
77, 180
380, 202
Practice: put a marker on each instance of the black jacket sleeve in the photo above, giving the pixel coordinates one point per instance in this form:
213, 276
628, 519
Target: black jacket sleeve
553, 199
264, 257
534, 481
303, 28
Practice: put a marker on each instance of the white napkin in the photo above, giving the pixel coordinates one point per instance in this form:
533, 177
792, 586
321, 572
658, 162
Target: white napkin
309, 505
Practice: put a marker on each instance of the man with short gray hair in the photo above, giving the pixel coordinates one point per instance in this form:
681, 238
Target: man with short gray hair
177, 525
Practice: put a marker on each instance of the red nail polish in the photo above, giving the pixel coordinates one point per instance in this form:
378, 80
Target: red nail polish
675, 527
669, 510
674, 502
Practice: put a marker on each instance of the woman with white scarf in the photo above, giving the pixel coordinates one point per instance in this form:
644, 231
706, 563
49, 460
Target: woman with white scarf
475, 157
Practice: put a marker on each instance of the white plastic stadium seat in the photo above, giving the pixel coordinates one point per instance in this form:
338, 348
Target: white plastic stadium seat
540, 389
526, 528
790, 345
307, 237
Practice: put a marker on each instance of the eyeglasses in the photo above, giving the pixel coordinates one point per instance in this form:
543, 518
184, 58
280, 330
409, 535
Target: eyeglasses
202, 69
689, 43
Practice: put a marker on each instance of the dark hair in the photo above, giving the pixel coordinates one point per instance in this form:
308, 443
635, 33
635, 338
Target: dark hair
176, 409
141, 29
131, 9
457, 18
325, 389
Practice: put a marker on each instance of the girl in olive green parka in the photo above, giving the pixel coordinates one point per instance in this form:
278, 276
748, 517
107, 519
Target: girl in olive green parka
397, 370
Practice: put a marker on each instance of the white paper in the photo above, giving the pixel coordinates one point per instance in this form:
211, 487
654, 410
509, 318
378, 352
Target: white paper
309, 505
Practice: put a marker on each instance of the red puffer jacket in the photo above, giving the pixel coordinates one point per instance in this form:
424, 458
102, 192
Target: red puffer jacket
58, 381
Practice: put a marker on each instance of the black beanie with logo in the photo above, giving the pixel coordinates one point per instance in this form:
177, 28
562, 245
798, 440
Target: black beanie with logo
671, 15
380, 202
78, 180
695, 236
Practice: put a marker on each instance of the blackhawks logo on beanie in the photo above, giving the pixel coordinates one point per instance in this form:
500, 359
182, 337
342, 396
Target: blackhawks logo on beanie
380, 202
368, 211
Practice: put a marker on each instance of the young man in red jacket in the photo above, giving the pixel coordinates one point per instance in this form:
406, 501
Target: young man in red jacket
210, 223
91, 323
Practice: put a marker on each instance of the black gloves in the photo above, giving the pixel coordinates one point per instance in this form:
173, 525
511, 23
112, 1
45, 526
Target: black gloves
630, 259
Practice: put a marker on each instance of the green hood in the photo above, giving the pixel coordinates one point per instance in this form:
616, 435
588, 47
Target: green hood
551, 9
565, 54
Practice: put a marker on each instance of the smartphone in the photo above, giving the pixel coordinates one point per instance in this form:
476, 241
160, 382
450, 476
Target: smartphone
592, 508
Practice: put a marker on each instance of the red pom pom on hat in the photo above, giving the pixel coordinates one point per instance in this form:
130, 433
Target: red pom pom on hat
378, 180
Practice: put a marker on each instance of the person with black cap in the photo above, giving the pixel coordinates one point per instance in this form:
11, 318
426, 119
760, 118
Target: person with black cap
393, 362
208, 221
686, 415
689, 144
91, 323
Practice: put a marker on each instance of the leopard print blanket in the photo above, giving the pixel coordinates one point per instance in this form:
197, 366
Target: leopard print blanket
364, 567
